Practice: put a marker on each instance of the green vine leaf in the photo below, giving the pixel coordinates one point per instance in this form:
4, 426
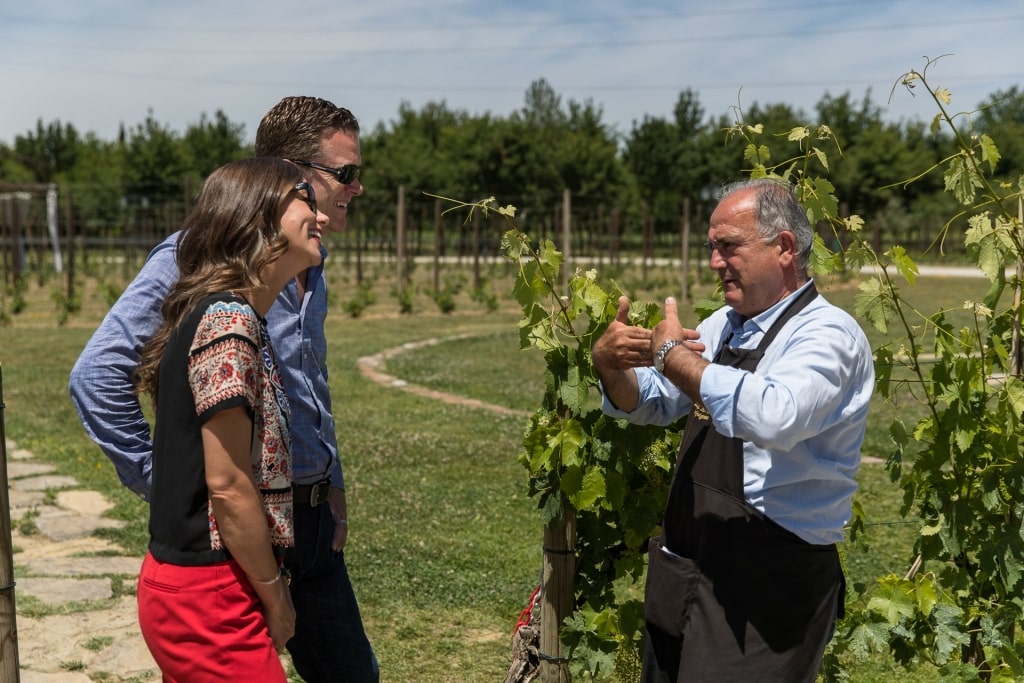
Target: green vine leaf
962, 179
591, 489
573, 391
904, 264
981, 233
893, 601
567, 443
873, 305
989, 151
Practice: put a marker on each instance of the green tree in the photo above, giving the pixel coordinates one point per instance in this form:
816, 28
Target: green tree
154, 165
668, 160
97, 183
589, 159
11, 169
48, 152
651, 152
209, 144
536, 136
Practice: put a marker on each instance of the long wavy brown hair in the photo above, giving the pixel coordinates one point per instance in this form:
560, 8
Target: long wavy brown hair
233, 233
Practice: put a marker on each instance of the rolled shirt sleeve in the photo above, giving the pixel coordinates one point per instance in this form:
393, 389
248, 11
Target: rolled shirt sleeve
100, 383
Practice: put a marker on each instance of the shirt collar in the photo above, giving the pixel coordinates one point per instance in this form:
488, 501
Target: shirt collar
742, 328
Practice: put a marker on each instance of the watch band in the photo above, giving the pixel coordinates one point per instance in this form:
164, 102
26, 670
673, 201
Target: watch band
659, 357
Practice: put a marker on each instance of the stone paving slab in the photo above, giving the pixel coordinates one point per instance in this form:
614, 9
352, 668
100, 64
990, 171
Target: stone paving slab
83, 566
37, 545
44, 482
84, 502
24, 468
126, 655
23, 500
57, 591
61, 525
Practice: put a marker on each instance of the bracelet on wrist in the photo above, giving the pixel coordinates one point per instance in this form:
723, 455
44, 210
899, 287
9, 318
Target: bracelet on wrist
283, 574
265, 583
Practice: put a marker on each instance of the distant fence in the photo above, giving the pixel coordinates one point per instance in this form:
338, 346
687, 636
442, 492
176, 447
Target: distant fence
41, 227
44, 227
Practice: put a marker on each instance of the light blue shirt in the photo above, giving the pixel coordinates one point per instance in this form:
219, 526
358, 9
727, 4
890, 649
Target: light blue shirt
801, 414
104, 396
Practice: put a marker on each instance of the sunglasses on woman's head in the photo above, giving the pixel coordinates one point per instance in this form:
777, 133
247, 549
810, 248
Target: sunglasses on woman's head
310, 197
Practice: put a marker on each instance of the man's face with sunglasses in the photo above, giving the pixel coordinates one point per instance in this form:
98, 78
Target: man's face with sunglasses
339, 160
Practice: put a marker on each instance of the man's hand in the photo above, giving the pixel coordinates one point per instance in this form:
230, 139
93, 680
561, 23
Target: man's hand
683, 364
620, 349
623, 346
339, 510
670, 328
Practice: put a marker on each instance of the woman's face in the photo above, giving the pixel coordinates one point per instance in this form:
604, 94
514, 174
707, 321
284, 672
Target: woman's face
303, 225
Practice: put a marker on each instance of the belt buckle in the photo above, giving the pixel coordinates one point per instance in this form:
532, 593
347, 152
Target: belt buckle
319, 492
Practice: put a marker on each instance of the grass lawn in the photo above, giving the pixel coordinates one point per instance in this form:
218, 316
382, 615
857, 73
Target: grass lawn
445, 546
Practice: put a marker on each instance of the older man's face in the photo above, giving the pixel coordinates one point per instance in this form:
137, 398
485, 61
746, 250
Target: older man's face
750, 268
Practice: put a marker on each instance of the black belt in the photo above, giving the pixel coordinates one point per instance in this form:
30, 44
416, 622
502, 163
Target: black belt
312, 494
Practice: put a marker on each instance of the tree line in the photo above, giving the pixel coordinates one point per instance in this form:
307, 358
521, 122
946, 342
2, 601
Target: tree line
529, 158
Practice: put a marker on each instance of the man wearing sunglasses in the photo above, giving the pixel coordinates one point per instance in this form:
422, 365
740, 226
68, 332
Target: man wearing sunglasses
330, 643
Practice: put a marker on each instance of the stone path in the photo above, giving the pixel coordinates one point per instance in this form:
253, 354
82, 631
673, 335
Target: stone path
372, 367
83, 584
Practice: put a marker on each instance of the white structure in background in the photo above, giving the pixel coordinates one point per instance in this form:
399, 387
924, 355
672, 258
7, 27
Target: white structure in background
51, 226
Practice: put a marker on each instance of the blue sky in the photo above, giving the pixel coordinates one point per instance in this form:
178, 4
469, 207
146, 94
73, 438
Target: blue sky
98, 64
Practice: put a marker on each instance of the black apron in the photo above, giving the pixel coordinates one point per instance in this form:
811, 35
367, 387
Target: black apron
740, 598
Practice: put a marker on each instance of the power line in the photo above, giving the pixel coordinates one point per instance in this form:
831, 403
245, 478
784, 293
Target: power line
262, 49
494, 87
631, 16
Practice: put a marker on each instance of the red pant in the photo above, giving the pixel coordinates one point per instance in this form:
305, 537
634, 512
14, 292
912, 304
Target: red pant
205, 624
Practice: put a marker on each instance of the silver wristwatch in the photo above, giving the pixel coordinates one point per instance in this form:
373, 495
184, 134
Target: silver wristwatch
659, 357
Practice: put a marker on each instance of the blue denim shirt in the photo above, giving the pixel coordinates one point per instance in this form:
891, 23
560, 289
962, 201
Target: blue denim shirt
103, 394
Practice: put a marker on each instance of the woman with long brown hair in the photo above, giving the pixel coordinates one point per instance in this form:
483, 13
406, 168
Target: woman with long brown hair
213, 604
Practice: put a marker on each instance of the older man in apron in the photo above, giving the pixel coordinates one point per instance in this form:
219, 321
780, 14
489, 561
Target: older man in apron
745, 581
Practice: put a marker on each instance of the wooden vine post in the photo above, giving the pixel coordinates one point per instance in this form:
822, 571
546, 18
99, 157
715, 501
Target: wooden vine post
557, 593
9, 671
400, 271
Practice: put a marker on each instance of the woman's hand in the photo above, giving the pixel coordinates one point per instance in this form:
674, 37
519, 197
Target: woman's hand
280, 614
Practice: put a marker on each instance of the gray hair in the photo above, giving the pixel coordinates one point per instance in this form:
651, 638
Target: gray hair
778, 209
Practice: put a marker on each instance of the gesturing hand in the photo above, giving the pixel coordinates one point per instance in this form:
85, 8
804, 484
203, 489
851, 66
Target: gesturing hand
623, 346
670, 328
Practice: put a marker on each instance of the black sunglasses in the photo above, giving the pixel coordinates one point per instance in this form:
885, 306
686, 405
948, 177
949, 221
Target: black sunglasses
310, 197
345, 175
